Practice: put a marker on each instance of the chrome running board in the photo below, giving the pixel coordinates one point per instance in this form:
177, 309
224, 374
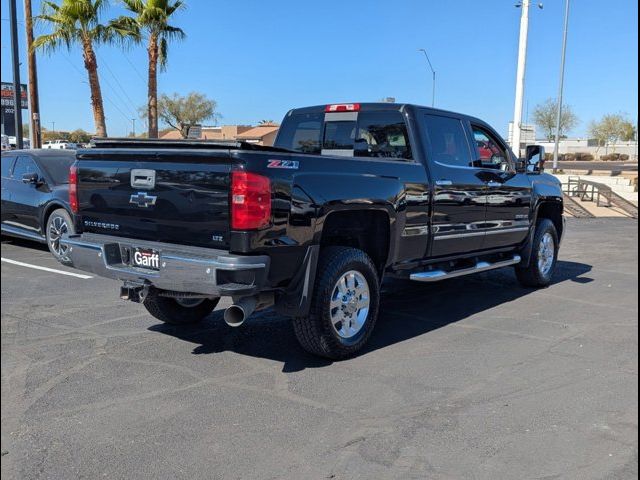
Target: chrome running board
437, 275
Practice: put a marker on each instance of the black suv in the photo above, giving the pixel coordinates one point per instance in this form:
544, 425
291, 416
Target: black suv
35, 196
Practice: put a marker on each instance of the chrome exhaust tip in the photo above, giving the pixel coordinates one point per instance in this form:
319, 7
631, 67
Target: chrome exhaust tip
236, 314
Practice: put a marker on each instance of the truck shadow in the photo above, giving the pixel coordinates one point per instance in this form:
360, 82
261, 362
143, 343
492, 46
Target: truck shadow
408, 310
20, 242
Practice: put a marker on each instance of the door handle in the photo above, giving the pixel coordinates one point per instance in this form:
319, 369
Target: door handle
444, 183
494, 184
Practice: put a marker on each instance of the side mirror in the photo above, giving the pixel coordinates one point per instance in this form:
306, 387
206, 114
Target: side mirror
30, 178
534, 159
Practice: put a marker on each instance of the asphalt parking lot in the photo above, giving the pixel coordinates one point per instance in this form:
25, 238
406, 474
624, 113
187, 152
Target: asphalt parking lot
472, 378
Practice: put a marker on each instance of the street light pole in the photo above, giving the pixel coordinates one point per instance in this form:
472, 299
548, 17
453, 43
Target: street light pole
17, 91
516, 134
433, 72
561, 89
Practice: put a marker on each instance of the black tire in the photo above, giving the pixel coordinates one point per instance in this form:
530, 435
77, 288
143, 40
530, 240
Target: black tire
59, 223
316, 333
533, 276
168, 310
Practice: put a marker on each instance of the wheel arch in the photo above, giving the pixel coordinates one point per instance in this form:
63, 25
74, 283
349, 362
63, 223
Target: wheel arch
368, 229
48, 210
552, 209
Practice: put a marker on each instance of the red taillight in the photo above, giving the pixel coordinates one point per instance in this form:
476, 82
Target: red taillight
250, 201
342, 107
73, 188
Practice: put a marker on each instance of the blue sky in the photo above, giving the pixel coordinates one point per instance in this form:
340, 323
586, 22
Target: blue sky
258, 59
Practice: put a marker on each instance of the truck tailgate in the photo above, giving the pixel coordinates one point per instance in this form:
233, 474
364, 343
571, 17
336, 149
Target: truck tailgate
173, 196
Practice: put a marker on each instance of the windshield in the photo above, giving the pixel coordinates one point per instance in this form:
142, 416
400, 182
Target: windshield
58, 167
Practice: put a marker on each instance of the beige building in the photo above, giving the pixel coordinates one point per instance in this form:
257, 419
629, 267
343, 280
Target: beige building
261, 135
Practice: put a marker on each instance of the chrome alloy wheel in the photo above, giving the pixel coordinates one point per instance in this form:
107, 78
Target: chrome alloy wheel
57, 228
546, 254
349, 305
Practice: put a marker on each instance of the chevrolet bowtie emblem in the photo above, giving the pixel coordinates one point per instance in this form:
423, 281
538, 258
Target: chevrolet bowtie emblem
141, 199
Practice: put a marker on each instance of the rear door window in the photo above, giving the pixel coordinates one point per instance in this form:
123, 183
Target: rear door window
7, 163
24, 165
448, 141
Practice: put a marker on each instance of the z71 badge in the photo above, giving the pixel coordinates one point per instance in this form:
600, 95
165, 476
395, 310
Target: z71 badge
292, 164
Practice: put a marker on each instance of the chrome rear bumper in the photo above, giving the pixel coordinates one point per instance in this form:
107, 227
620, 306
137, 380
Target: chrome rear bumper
180, 268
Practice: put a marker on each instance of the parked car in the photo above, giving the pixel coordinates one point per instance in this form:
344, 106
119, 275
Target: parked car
348, 194
59, 145
26, 143
35, 196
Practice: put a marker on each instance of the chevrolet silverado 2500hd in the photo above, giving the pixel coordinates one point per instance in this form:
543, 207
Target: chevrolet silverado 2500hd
348, 194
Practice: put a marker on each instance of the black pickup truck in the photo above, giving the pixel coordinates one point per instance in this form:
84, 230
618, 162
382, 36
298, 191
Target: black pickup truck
348, 194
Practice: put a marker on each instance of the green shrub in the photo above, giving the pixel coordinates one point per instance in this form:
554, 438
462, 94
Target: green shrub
624, 157
584, 157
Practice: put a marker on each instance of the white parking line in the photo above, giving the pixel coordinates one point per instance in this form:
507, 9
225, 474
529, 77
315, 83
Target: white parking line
46, 269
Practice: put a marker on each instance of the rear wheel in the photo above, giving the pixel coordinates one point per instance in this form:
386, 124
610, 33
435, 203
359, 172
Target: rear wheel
344, 307
179, 311
544, 256
59, 223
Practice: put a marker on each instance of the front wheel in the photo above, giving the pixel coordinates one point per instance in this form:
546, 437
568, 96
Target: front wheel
544, 256
344, 307
59, 223
179, 311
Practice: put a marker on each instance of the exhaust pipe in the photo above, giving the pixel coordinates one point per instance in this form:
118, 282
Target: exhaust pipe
236, 314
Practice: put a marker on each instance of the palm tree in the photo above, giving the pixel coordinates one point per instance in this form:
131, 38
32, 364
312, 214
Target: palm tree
151, 20
78, 22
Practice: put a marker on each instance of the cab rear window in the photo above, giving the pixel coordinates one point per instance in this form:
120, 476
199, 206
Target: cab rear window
373, 134
339, 135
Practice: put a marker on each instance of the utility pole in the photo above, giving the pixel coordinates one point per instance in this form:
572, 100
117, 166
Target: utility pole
34, 103
53, 126
520, 75
561, 89
133, 121
433, 72
17, 91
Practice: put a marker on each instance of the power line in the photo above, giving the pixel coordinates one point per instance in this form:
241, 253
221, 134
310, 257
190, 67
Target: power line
117, 108
105, 97
135, 69
117, 95
103, 62
82, 74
